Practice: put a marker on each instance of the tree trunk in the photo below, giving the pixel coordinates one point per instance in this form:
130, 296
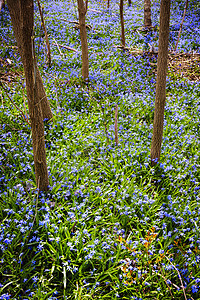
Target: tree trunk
40, 91
129, 2
108, 5
122, 23
86, 6
23, 29
161, 81
147, 13
45, 33
181, 26
83, 35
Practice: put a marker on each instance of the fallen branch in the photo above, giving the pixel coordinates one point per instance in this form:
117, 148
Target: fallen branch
77, 24
61, 54
25, 104
36, 209
73, 22
179, 276
66, 47
23, 115
2, 99
121, 47
94, 10
116, 129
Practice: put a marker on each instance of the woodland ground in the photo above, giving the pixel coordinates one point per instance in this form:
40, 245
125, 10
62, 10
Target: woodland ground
111, 226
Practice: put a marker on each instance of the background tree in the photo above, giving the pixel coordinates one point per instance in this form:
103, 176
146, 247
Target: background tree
22, 16
83, 35
181, 26
160, 81
147, 13
122, 23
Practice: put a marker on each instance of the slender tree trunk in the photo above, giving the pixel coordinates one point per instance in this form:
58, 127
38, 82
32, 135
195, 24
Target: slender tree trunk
129, 2
40, 91
181, 26
23, 29
161, 81
83, 35
45, 33
108, 5
122, 23
147, 13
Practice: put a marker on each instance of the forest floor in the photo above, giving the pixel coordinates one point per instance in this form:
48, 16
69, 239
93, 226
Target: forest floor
111, 226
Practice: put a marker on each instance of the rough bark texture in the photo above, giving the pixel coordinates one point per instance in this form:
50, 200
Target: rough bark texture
161, 81
122, 23
147, 13
83, 35
23, 29
86, 5
40, 91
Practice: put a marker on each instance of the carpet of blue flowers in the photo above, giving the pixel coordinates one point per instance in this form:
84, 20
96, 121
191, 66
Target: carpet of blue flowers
111, 226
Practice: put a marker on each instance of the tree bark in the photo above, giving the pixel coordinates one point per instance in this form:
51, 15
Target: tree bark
147, 13
161, 81
83, 36
122, 23
40, 91
23, 29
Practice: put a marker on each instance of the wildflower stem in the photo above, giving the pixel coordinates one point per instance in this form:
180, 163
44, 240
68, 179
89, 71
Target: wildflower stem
116, 129
179, 275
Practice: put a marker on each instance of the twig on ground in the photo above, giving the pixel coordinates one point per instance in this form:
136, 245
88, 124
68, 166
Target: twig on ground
121, 47
36, 206
116, 129
179, 275
77, 24
25, 104
167, 284
23, 115
61, 54
65, 47
2, 99
94, 10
